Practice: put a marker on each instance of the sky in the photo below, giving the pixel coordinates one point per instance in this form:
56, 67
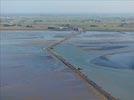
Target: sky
66, 6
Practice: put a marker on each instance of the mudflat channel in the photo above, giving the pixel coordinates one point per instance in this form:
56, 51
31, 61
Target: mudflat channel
29, 72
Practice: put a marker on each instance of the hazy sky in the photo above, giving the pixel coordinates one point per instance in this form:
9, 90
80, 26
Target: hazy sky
67, 6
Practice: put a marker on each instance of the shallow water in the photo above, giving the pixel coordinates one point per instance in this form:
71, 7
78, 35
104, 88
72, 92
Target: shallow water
111, 68
30, 73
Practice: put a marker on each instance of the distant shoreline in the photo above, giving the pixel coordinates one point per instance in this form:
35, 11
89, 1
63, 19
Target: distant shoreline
67, 23
13, 30
23, 30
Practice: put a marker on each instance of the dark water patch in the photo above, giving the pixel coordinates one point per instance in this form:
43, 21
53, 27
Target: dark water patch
122, 62
102, 47
111, 47
103, 35
104, 62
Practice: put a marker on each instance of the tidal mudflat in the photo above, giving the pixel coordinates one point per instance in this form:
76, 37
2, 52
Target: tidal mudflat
29, 72
107, 58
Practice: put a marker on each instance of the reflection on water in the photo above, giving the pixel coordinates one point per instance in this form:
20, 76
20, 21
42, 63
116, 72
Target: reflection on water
107, 58
29, 73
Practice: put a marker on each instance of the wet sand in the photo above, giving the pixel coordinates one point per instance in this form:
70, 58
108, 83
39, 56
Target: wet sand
55, 85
